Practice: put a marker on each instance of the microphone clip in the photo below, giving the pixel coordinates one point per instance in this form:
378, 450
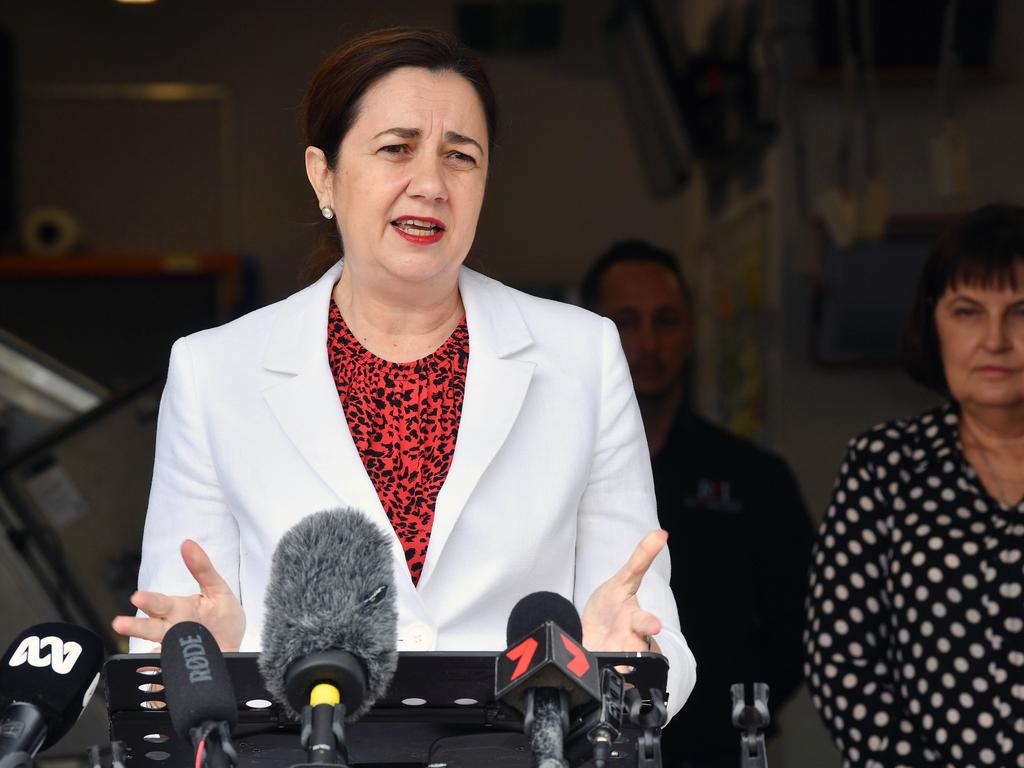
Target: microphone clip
751, 718
648, 743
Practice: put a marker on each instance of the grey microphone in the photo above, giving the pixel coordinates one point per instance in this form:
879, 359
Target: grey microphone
330, 625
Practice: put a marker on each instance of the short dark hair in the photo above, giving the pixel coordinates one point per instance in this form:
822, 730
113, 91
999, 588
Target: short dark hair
335, 93
627, 251
982, 250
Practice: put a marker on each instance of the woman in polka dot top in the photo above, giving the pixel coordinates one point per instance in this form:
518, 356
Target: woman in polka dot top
915, 636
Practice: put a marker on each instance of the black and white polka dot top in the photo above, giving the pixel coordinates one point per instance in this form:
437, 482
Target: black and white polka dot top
915, 635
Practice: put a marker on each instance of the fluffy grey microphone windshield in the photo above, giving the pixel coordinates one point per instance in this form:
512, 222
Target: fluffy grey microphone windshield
331, 588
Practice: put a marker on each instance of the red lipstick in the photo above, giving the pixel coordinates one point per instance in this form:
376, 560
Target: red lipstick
422, 230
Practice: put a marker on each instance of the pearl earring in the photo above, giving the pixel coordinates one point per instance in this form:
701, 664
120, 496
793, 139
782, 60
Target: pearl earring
327, 212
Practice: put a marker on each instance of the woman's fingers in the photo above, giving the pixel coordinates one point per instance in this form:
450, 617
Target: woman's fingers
632, 573
199, 565
135, 626
644, 623
155, 604
163, 611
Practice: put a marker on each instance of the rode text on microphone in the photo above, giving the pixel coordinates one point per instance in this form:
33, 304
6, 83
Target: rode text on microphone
200, 696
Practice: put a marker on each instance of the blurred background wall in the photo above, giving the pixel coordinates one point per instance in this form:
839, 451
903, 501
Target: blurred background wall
171, 134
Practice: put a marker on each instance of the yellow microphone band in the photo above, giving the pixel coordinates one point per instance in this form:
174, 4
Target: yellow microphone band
324, 693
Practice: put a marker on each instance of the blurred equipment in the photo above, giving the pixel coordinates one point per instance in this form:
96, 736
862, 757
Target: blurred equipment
50, 231
837, 205
948, 152
906, 36
695, 87
114, 317
874, 198
38, 394
8, 182
47, 677
856, 206
72, 504
647, 84
751, 718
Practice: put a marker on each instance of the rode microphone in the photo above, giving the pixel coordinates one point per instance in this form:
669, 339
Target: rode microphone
330, 626
47, 676
200, 696
546, 673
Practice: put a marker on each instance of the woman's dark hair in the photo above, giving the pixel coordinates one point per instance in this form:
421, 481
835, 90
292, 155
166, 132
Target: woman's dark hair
981, 251
333, 98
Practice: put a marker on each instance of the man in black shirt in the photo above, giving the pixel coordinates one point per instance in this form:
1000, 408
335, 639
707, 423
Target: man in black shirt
739, 534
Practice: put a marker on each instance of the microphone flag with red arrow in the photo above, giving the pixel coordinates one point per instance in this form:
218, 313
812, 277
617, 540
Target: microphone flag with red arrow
547, 657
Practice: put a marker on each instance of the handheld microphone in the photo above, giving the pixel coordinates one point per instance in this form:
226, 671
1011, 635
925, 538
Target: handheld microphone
546, 673
200, 696
330, 626
47, 676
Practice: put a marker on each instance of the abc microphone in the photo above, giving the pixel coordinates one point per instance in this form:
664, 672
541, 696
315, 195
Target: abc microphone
47, 676
200, 696
330, 626
546, 673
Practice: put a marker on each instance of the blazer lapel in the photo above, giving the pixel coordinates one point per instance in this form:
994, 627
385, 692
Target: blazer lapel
307, 407
495, 390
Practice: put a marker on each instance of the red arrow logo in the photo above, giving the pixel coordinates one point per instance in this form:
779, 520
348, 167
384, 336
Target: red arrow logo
579, 663
524, 654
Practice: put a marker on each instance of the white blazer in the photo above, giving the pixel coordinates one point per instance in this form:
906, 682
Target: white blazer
550, 486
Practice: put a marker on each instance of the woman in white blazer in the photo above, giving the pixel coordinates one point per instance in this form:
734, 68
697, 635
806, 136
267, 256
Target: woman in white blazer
549, 486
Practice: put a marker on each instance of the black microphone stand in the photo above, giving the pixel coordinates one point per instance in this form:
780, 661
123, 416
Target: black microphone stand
322, 730
648, 743
751, 718
322, 735
545, 723
594, 736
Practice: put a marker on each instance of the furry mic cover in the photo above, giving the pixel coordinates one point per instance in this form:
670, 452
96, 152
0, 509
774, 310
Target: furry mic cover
331, 588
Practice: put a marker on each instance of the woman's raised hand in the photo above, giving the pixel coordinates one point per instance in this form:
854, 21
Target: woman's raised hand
613, 619
215, 607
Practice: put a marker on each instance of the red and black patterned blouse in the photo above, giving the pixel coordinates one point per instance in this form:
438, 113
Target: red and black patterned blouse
404, 418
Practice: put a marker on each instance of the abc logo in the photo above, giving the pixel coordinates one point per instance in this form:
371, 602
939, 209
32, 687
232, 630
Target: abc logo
48, 651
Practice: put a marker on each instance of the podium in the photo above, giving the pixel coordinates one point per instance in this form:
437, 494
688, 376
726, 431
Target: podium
439, 711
